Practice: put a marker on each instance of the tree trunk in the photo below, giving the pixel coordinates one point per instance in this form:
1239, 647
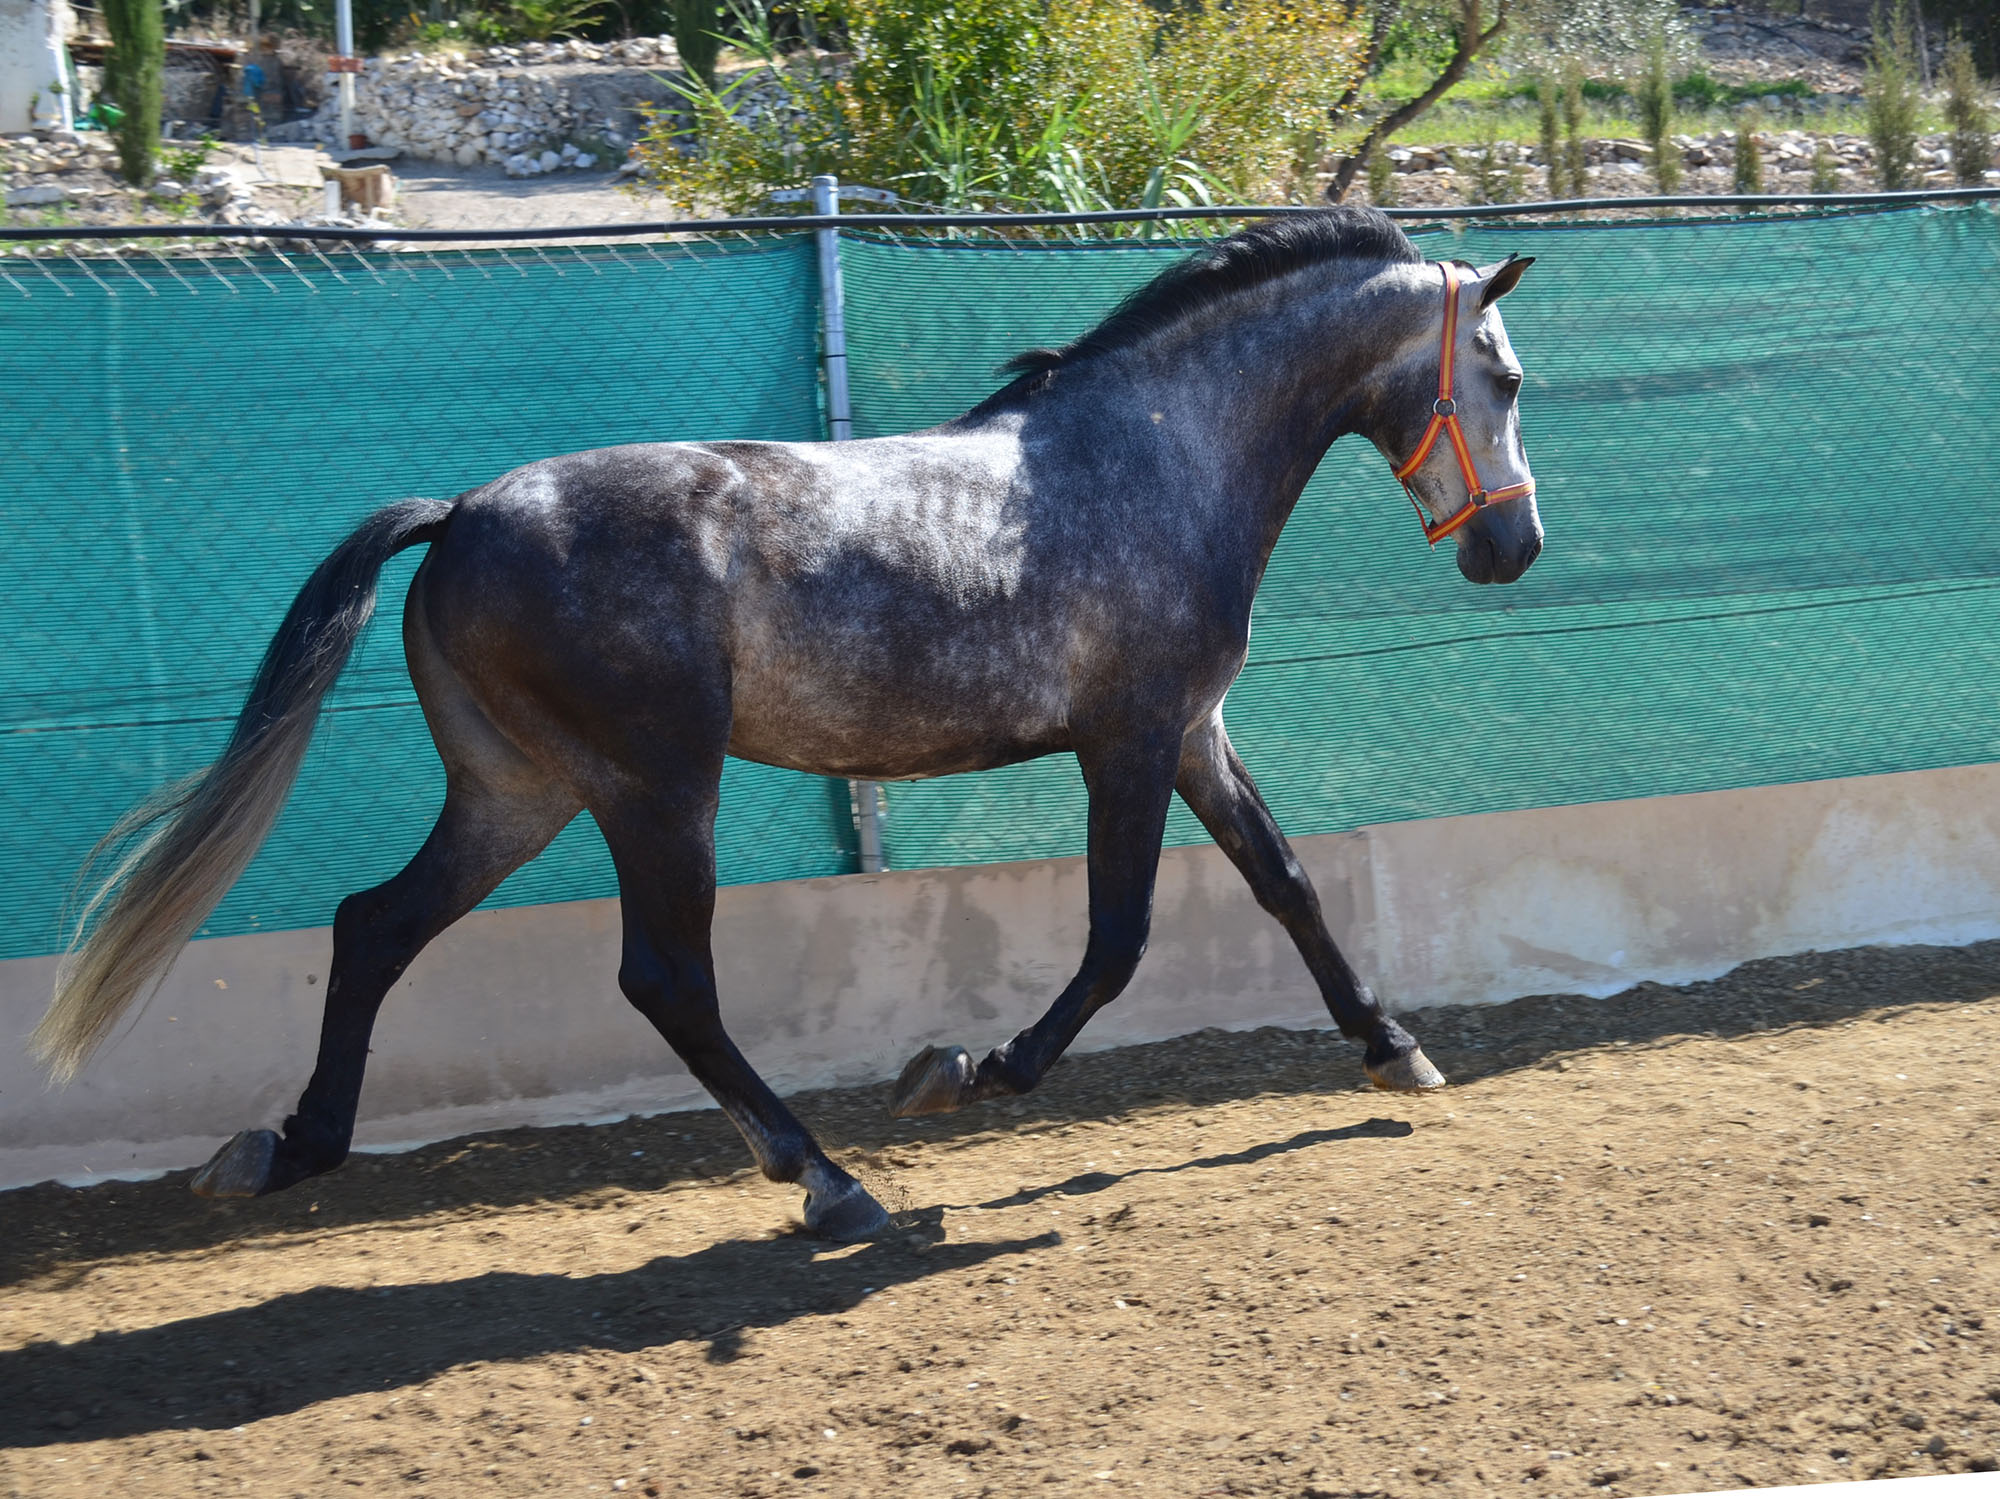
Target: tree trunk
1385, 16
1470, 41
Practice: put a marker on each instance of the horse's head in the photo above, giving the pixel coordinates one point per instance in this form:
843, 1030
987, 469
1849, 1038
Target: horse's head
1446, 420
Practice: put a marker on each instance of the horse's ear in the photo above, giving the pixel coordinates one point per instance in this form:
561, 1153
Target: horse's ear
1502, 279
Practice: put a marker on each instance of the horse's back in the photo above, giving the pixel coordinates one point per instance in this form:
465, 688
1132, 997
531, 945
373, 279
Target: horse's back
853, 608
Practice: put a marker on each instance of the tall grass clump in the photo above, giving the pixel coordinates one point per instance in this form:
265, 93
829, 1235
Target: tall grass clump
1021, 104
1891, 95
1381, 180
1967, 114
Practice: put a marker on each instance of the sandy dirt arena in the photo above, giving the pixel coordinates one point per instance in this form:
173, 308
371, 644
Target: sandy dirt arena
1739, 1233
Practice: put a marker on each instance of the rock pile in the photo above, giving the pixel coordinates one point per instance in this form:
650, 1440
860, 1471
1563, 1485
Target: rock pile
1788, 154
74, 174
57, 168
510, 106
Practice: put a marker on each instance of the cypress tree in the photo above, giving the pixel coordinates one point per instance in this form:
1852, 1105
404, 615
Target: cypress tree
695, 23
1966, 112
1547, 101
133, 78
1892, 99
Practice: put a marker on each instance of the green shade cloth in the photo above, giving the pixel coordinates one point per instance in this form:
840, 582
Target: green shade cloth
186, 439
1765, 451
1763, 446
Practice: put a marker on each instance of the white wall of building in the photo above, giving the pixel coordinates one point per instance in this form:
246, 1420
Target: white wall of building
32, 37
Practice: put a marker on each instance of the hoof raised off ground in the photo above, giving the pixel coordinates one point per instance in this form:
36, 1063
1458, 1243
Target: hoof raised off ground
937, 1081
242, 1168
1412, 1072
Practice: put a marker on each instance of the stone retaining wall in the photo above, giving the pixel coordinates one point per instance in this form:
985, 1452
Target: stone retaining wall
537, 107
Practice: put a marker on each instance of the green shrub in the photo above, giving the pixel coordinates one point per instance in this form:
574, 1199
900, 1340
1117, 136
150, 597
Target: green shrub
1825, 170
477, 28
182, 162
1023, 104
545, 20
1699, 91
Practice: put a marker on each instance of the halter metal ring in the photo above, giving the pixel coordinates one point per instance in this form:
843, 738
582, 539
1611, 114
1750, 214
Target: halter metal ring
1445, 406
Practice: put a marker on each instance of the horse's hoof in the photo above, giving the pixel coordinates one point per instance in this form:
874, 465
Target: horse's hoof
845, 1215
937, 1081
1412, 1072
242, 1168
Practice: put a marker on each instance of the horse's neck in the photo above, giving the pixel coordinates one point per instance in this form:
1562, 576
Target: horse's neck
1270, 389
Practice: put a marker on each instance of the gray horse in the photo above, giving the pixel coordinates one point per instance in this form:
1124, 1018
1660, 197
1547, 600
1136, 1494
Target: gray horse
1068, 566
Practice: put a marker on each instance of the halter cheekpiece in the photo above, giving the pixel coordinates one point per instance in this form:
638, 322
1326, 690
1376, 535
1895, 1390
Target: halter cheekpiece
1444, 418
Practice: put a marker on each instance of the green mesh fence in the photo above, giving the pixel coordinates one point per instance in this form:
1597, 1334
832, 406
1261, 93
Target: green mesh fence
186, 438
1762, 448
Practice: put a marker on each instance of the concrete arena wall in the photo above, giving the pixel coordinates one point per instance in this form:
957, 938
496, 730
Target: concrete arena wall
514, 1017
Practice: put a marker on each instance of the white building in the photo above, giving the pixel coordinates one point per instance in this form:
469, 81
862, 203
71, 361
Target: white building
34, 73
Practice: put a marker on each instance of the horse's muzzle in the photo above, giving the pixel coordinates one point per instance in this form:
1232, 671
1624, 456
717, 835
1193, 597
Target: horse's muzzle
1499, 543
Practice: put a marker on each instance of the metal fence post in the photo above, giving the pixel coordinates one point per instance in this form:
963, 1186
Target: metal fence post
840, 423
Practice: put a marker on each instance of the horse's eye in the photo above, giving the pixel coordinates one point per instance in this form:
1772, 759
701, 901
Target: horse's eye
1510, 385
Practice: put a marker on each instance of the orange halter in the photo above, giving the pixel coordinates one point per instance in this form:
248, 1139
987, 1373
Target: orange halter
1444, 418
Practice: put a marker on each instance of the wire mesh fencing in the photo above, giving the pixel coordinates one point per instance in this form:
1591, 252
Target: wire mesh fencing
1760, 443
1759, 453
187, 436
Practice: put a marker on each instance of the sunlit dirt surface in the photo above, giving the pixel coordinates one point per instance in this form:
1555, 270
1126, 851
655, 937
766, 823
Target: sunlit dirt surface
1739, 1233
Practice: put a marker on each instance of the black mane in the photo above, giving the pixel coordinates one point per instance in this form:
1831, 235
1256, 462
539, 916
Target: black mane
1262, 252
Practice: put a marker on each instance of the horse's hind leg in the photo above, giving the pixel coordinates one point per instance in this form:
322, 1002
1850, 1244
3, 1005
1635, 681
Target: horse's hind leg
663, 844
481, 837
499, 811
1218, 789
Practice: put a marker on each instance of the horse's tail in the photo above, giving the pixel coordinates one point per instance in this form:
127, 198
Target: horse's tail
200, 833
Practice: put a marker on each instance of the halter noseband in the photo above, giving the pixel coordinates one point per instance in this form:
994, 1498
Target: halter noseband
1444, 418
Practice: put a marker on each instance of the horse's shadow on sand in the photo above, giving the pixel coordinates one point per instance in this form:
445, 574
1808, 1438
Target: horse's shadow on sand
306, 1347
1097, 1181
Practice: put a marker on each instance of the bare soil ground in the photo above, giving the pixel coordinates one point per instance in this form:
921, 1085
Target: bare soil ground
1742, 1232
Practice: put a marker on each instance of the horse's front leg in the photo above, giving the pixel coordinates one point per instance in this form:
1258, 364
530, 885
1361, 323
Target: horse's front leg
1131, 783
1218, 790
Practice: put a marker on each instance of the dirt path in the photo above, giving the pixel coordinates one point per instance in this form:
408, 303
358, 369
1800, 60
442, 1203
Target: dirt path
1684, 1239
434, 195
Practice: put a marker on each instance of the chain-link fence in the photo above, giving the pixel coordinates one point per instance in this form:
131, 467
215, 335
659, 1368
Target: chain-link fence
1762, 447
